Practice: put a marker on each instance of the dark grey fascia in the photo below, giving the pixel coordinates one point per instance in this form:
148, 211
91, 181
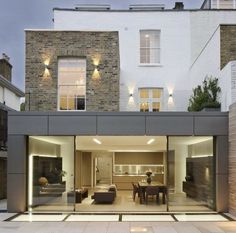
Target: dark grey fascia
118, 123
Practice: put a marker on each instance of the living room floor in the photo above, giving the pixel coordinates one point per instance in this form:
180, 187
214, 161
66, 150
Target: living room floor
124, 203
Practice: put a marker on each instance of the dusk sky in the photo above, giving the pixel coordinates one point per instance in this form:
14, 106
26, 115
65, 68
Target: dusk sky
17, 15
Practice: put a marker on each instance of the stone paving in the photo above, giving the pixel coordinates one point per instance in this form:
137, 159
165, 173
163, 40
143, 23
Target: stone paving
114, 227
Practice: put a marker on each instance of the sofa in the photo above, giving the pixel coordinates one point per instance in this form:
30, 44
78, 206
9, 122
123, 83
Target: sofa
105, 196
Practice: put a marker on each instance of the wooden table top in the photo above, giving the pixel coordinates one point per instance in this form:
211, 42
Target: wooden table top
153, 183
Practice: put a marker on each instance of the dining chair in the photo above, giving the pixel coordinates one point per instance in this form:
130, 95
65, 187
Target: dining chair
135, 190
152, 191
163, 190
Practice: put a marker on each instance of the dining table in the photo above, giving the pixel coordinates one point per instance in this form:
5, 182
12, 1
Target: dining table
144, 184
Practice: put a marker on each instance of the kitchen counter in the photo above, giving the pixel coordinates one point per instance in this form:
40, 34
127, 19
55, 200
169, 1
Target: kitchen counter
124, 182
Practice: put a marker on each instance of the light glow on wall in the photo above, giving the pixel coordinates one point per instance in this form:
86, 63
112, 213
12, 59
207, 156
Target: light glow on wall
96, 74
150, 141
200, 156
46, 73
97, 141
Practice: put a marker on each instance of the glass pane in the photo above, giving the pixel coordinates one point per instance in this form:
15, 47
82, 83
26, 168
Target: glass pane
150, 38
71, 103
149, 46
51, 173
154, 55
63, 102
80, 104
72, 83
144, 55
156, 93
144, 93
191, 175
155, 106
144, 107
72, 71
226, 4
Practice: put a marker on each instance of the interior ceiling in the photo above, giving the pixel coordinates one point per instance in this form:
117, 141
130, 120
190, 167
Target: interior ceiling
122, 143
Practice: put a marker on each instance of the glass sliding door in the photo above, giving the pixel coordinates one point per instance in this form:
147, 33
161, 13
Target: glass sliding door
191, 174
51, 173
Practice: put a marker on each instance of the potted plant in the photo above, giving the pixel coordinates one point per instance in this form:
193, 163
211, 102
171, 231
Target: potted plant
205, 97
149, 179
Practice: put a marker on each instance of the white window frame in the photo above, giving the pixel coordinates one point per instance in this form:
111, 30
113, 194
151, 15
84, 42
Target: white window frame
151, 100
158, 48
58, 86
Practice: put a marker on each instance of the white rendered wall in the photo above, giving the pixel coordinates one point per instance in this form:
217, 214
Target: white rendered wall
175, 51
203, 25
11, 100
181, 153
208, 62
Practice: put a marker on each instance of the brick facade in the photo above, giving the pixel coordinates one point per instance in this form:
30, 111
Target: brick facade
102, 94
227, 44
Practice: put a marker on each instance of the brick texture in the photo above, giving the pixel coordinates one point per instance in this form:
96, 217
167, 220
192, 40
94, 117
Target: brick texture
102, 94
227, 44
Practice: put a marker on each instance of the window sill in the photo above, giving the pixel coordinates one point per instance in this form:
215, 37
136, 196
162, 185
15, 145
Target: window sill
150, 65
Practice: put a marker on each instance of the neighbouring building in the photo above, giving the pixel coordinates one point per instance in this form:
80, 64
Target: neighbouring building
107, 96
9, 100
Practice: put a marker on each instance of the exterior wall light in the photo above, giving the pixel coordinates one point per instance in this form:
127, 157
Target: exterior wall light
96, 74
46, 73
171, 95
131, 95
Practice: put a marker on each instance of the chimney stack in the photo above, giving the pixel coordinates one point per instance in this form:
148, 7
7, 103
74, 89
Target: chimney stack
5, 67
179, 6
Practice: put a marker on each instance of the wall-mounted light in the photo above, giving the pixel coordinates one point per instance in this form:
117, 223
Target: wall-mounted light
97, 141
150, 141
46, 73
130, 94
170, 98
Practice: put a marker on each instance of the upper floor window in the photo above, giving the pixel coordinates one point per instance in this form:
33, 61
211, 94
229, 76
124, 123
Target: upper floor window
150, 99
219, 4
71, 83
149, 46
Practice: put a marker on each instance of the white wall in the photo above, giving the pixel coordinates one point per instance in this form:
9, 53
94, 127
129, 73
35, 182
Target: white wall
67, 154
181, 153
184, 36
10, 98
208, 63
203, 25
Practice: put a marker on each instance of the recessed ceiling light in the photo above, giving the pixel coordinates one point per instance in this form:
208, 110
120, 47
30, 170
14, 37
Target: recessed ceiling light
150, 141
97, 141
146, 35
